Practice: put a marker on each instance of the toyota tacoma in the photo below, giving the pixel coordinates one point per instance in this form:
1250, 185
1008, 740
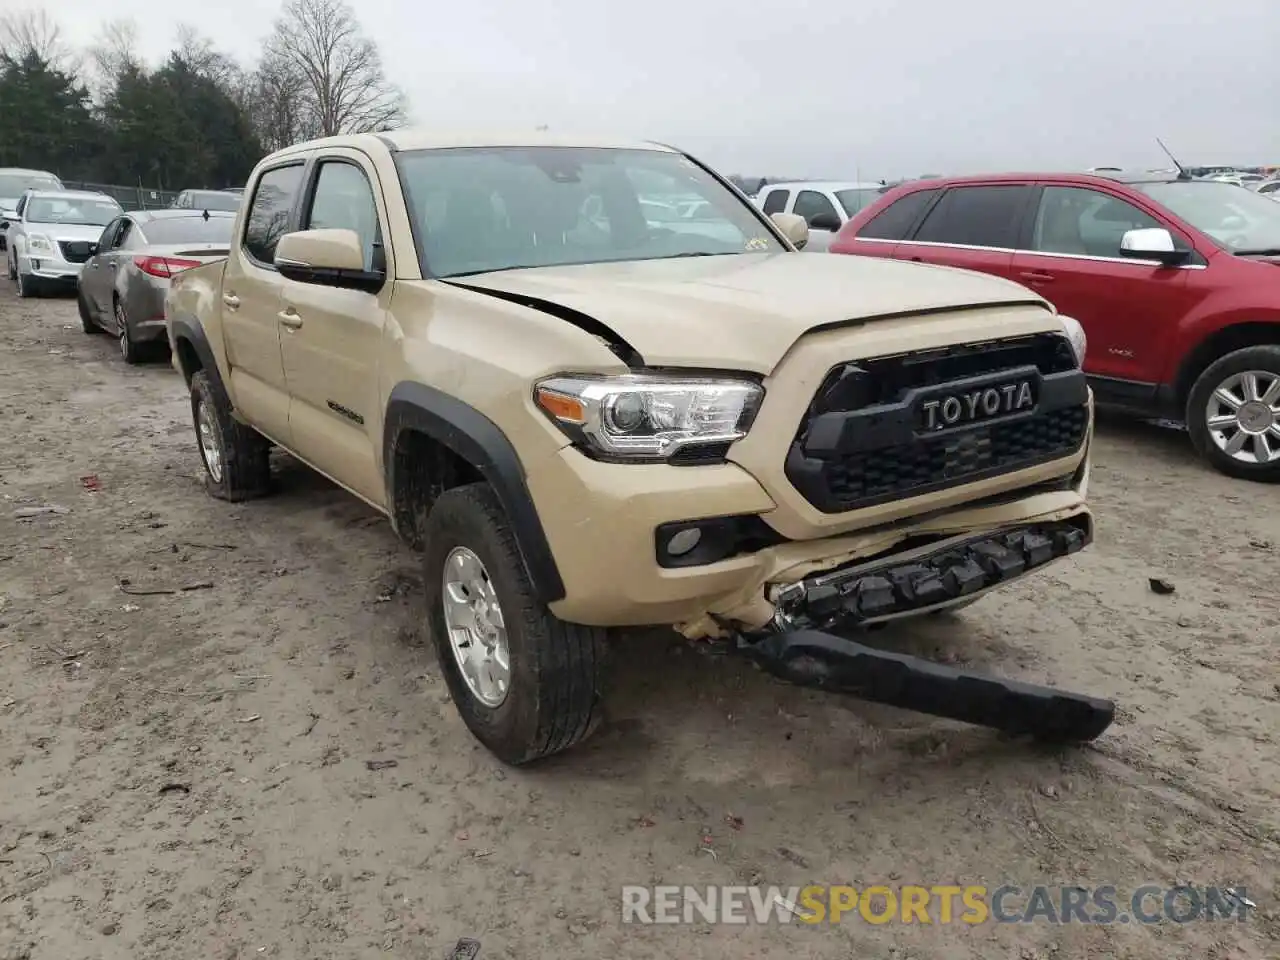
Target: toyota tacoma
587, 416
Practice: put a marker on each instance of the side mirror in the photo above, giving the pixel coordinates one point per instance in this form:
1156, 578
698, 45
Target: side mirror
331, 258
825, 221
793, 227
1152, 243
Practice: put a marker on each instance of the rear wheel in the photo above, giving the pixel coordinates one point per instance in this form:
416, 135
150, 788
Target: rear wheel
130, 349
526, 683
1233, 414
236, 457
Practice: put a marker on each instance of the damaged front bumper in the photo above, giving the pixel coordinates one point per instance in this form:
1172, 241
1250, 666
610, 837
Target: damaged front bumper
905, 585
799, 647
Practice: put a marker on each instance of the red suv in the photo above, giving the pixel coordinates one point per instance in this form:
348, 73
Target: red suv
1174, 281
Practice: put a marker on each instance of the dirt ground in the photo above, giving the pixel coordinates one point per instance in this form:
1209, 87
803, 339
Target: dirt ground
189, 774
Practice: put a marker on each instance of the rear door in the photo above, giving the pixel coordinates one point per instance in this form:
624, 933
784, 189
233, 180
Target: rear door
1129, 308
251, 289
95, 282
973, 226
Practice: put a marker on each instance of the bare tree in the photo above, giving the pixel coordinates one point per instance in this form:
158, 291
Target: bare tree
200, 56
318, 48
277, 104
114, 54
24, 33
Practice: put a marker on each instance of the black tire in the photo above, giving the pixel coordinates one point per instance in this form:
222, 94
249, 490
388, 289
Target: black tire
28, 286
243, 471
12, 267
553, 699
130, 349
86, 316
1265, 359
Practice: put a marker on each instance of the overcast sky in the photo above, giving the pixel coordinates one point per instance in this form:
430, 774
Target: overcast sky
872, 88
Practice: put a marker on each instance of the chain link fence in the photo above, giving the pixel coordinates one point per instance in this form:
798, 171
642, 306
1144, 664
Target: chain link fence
130, 198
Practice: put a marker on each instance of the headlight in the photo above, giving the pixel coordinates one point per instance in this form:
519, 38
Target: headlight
1075, 333
38, 243
648, 418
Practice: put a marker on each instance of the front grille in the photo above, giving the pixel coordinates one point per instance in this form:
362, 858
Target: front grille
866, 441
75, 251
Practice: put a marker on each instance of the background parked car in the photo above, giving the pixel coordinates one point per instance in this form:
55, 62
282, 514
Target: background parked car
1173, 279
52, 234
14, 182
825, 205
123, 285
211, 200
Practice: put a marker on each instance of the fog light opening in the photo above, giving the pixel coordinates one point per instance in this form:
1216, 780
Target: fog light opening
683, 541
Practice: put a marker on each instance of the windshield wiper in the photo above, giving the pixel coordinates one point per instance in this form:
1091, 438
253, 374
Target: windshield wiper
1261, 252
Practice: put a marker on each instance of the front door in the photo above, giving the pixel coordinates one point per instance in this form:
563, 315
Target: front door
973, 227
332, 338
1128, 308
250, 305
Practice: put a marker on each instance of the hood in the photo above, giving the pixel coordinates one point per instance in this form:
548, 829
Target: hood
744, 311
65, 231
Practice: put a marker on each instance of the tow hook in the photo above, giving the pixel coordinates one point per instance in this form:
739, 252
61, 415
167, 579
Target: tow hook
800, 648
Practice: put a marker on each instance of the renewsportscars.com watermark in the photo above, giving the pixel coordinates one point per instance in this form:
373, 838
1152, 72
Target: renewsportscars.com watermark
939, 904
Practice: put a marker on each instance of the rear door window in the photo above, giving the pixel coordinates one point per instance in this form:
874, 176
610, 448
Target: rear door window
979, 216
895, 221
268, 218
775, 201
811, 203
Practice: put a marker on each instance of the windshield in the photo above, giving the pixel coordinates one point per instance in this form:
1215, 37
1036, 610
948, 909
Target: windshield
501, 208
215, 201
194, 229
1237, 219
13, 186
76, 211
855, 200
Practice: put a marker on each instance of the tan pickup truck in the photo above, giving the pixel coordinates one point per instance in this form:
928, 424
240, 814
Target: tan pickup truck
597, 388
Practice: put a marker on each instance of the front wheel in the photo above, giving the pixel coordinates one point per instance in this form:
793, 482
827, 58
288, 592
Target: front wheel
27, 286
86, 314
526, 683
236, 457
1233, 414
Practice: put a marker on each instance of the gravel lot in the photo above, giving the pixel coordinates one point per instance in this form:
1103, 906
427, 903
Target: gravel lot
200, 773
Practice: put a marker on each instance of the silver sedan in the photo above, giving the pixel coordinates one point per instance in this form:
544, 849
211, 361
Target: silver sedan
123, 285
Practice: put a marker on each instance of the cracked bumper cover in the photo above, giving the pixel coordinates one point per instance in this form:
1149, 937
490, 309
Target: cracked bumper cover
870, 591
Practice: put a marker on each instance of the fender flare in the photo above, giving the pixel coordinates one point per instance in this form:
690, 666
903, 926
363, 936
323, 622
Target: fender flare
190, 330
478, 440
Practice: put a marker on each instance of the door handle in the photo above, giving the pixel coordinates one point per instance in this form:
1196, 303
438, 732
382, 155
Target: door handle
112, 265
289, 319
1036, 276
231, 301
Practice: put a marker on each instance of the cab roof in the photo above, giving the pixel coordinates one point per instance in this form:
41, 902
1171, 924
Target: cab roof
422, 139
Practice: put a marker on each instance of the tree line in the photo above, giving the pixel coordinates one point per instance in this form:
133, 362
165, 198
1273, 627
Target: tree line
199, 118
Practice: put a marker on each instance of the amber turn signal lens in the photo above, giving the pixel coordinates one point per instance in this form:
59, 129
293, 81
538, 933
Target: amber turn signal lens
567, 409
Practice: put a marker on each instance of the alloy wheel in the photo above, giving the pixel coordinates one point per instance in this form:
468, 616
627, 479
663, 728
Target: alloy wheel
477, 631
1243, 416
210, 441
126, 347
